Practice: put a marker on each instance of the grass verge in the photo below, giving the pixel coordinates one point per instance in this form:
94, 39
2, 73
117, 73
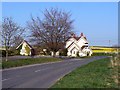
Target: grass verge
28, 61
96, 74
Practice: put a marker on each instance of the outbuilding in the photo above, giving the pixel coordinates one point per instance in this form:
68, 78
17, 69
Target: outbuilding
25, 49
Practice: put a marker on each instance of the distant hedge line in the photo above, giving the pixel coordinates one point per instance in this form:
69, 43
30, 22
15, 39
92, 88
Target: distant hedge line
103, 54
10, 53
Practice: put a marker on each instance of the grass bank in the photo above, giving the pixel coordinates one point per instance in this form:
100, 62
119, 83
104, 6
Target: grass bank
96, 74
28, 61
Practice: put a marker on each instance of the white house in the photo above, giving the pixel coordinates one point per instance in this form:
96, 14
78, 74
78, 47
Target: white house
25, 48
78, 46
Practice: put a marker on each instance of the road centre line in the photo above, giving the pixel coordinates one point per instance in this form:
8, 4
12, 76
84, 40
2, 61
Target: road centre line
49, 68
6, 79
41, 69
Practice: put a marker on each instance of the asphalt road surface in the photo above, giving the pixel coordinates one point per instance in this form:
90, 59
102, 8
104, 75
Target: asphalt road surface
43, 75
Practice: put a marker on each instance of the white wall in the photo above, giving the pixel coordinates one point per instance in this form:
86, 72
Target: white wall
76, 47
23, 50
82, 41
69, 42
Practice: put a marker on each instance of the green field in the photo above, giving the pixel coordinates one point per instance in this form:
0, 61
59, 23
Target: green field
28, 61
96, 74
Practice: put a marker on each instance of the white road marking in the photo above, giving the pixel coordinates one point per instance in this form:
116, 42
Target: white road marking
11, 78
41, 69
69, 63
6, 79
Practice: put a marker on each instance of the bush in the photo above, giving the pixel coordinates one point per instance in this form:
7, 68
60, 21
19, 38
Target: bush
10, 53
63, 52
14, 52
3, 52
102, 54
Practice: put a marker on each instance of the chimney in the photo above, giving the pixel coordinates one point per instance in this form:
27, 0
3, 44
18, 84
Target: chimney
72, 35
81, 34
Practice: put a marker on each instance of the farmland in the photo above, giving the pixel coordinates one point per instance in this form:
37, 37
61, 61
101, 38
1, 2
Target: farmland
102, 49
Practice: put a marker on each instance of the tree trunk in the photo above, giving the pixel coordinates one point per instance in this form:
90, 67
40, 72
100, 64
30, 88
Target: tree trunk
53, 53
6, 55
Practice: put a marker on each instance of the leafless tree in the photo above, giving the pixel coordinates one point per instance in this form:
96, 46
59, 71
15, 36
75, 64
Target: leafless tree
53, 30
17, 40
10, 30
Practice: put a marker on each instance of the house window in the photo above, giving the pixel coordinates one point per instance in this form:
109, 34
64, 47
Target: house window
74, 52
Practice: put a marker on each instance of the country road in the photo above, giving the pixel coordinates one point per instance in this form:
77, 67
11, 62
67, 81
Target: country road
43, 75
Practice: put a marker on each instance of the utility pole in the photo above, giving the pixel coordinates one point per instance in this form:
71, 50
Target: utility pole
109, 42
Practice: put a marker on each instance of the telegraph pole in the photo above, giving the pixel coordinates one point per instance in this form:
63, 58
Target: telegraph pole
109, 42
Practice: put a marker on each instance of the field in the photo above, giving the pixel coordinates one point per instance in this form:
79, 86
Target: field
96, 74
100, 49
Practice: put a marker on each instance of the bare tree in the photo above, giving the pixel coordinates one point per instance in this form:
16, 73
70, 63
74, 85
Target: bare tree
53, 30
10, 30
17, 40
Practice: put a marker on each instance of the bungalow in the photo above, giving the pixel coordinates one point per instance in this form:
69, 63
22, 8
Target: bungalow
25, 49
78, 46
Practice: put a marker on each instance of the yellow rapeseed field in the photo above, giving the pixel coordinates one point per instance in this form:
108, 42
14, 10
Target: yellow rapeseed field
100, 49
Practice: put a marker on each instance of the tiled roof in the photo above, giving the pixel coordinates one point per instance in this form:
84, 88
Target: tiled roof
26, 43
76, 38
70, 44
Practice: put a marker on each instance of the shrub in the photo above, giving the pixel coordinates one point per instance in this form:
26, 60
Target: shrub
10, 53
102, 54
14, 52
63, 52
115, 65
3, 52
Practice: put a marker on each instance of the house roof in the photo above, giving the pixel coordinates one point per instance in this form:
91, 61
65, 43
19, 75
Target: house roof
74, 48
84, 47
72, 44
24, 41
76, 38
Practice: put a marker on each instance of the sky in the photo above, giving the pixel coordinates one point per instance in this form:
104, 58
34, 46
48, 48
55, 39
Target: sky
97, 20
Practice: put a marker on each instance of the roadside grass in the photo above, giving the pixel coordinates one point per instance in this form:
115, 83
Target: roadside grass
28, 61
96, 74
